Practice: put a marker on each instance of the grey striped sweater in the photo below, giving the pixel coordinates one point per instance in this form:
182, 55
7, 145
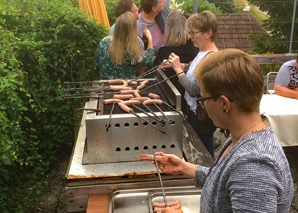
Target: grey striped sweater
253, 176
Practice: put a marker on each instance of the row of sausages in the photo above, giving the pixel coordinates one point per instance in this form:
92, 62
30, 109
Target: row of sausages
125, 84
129, 96
136, 99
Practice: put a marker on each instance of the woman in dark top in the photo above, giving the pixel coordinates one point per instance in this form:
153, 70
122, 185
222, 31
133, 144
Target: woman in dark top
176, 41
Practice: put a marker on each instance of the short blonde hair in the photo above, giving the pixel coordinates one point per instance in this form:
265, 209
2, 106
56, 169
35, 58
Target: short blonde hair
175, 29
125, 37
203, 21
233, 73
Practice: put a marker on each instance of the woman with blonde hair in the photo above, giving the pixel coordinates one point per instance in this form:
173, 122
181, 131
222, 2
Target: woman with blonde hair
176, 41
202, 29
251, 172
117, 56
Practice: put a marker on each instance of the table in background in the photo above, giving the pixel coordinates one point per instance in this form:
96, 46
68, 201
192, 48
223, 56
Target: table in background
281, 114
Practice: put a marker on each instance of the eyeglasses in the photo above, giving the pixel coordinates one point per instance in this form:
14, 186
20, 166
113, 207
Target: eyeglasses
192, 34
202, 100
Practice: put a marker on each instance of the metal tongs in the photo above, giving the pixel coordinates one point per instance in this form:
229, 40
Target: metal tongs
160, 180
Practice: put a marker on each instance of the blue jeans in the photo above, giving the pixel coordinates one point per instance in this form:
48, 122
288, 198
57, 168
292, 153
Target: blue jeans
207, 138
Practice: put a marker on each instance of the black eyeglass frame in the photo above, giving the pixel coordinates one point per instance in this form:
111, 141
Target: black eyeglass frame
192, 34
202, 100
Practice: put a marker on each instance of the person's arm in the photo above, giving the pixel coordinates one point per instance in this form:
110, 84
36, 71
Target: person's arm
147, 59
286, 92
191, 87
171, 164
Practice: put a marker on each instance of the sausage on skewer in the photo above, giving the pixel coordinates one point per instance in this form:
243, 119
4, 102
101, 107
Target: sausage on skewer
122, 97
120, 87
151, 101
154, 96
110, 101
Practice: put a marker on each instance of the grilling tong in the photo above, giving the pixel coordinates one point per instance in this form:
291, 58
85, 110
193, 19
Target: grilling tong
160, 180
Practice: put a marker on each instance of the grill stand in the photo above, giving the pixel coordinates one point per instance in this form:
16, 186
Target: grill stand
83, 180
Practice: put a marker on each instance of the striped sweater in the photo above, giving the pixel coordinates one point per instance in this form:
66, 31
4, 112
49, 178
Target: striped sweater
253, 176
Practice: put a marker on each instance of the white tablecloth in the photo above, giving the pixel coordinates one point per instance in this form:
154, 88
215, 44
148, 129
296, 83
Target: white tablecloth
281, 114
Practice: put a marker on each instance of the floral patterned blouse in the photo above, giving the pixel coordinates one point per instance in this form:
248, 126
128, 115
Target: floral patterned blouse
110, 70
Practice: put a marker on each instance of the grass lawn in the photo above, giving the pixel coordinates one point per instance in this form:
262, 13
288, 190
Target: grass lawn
259, 16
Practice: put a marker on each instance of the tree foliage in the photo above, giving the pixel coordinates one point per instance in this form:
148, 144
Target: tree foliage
226, 6
278, 25
186, 6
42, 44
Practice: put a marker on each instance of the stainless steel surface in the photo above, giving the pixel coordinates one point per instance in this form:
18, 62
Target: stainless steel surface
170, 91
160, 180
77, 170
140, 200
189, 199
131, 134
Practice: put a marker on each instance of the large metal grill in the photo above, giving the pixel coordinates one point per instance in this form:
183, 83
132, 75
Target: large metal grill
129, 135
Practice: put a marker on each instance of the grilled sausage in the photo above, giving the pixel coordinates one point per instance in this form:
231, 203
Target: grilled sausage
125, 108
176, 206
151, 101
171, 203
129, 91
114, 81
134, 83
129, 102
141, 86
123, 97
141, 98
125, 83
136, 94
120, 87
110, 101
154, 96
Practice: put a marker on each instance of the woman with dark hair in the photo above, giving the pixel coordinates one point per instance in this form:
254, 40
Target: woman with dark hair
251, 173
117, 56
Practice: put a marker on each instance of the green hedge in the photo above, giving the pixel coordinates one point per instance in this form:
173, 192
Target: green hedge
42, 44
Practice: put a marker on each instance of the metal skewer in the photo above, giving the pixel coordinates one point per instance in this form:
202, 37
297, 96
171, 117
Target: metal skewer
160, 180
81, 82
147, 122
172, 108
162, 121
170, 121
160, 82
108, 124
148, 72
146, 113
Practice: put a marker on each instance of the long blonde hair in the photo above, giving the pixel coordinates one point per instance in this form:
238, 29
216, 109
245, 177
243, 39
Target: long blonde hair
175, 29
125, 37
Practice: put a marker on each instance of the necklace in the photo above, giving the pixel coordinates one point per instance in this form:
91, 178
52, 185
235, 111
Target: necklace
248, 129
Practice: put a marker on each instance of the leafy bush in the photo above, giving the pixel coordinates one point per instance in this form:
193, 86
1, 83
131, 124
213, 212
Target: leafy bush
43, 43
186, 6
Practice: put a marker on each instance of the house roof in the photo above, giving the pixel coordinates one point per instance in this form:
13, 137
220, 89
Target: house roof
233, 30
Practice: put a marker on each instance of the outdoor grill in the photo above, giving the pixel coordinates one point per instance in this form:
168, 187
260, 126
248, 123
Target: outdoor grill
104, 157
113, 135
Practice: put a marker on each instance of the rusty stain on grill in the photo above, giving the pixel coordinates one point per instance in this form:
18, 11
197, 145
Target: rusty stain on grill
140, 174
